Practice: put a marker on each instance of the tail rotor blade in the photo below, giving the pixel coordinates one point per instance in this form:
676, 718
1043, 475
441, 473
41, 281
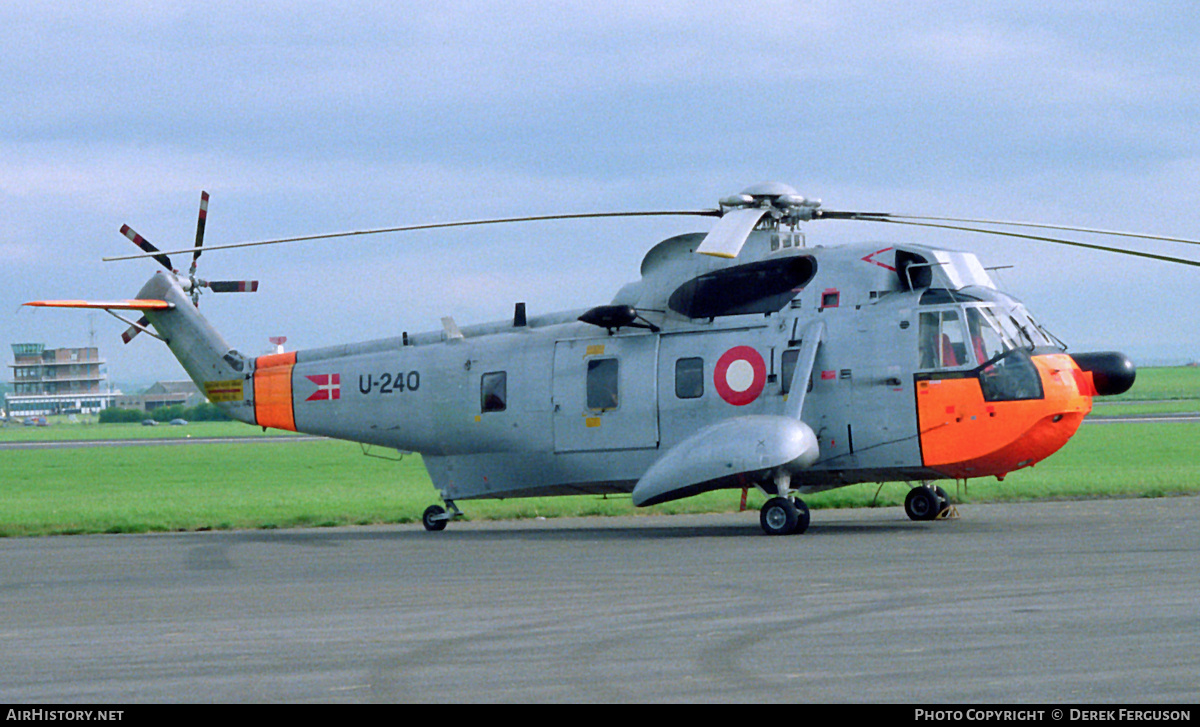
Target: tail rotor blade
143, 243
132, 331
200, 226
232, 286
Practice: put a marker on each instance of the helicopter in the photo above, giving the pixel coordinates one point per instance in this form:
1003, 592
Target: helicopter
741, 358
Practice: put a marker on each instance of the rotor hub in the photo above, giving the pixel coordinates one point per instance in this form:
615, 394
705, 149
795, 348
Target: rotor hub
782, 202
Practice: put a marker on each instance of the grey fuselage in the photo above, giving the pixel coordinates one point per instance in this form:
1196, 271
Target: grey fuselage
553, 405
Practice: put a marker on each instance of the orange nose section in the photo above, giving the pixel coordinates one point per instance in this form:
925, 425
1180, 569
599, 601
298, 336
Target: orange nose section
962, 435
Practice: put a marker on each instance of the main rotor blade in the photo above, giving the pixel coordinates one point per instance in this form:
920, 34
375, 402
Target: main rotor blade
200, 226
151, 250
1073, 243
886, 216
434, 226
727, 237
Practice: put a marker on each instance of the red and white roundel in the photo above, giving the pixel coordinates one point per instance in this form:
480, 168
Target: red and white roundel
740, 375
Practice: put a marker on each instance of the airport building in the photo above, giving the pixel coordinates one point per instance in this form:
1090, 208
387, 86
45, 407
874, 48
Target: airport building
47, 381
163, 393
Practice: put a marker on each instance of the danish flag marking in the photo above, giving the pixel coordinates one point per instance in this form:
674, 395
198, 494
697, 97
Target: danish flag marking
329, 386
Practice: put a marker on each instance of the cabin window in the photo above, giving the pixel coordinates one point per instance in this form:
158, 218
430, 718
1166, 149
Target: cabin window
493, 391
787, 370
689, 378
602, 383
943, 343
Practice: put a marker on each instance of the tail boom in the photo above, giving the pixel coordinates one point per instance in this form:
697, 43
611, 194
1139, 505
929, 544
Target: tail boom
221, 372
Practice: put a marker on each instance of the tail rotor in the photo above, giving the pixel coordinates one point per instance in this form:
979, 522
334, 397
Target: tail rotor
189, 282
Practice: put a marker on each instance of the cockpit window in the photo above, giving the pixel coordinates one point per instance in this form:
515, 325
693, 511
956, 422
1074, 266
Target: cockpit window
1015, 330
1039, 335
1016, 327
1012, 377
989, 336
991, 332
943, 345
997, 350
942, 296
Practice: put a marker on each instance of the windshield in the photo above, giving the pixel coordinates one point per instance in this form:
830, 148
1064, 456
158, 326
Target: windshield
1040, 335
1010, 314
996, 329
990, 337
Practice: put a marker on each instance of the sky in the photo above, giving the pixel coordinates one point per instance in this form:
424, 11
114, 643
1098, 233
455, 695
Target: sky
302, 118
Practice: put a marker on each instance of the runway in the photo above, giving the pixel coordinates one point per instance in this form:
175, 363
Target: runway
1155, 418
152, 441
1091, 601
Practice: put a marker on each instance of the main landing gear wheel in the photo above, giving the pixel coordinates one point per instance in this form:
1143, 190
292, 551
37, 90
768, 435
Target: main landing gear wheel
434, 518
924, 503
781, 516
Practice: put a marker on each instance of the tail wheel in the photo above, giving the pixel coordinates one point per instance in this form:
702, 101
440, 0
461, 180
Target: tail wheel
434, 518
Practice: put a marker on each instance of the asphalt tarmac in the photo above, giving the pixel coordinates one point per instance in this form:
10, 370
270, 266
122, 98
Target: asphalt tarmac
1083, 602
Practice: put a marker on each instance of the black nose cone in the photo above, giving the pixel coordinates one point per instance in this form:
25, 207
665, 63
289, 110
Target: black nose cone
1112, 372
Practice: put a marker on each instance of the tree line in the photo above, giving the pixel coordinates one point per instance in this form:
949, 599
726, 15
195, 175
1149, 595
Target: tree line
206, 412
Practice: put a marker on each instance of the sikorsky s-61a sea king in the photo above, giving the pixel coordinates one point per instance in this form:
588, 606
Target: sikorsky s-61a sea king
741, 358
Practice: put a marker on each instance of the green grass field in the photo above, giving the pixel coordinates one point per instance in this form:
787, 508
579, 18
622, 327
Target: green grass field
1157, 390
1163, 382
320, 483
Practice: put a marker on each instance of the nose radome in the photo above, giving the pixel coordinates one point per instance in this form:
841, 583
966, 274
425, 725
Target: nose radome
1112, 372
